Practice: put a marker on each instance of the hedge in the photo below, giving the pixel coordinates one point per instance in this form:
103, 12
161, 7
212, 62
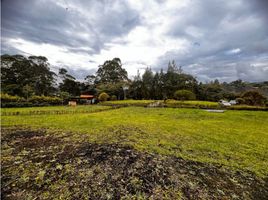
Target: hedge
16, 101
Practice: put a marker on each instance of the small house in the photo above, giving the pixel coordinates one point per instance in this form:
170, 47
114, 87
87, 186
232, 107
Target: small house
88, 98
82, 99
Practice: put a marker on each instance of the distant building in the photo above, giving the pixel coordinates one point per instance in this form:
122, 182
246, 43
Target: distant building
224, 103
86, 96
72, 103
83, 99
233, 102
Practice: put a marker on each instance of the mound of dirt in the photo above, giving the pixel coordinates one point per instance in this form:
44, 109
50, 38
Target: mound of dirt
45, 165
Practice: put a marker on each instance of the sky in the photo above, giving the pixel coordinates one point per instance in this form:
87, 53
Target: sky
211, 39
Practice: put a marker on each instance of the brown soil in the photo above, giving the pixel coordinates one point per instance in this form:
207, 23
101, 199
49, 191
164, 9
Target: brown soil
45, 165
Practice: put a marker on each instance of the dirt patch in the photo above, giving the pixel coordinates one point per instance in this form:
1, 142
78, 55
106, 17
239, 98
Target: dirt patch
18, 133
42, 165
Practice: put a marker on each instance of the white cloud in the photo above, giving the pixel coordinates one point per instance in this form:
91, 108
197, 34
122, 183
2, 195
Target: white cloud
208, 38
55, 54
233, 51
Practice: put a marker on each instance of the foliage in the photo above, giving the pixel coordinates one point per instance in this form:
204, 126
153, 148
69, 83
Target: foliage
69, 84
214, 91
113, 98
184, 95
22, 76
147, 84
39, 100
111, 72
27, 91
161, 85
27, 76
254, 98
240, 100
103, 96
15, 101
64, 95
9, 98
111, 88
135, 89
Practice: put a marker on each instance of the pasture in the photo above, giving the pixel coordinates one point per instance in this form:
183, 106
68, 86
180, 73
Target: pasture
219, 146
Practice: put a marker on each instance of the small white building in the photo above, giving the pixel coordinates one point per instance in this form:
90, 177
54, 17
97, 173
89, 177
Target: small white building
233, 102
225, 103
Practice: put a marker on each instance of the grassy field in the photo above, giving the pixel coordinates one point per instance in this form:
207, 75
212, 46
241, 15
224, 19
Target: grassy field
168, 102
234, 140
183, 104
50, 110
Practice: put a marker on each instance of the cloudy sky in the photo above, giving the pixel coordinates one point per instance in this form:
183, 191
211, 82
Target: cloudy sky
210, 39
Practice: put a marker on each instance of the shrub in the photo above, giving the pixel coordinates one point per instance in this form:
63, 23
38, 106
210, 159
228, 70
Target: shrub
9, 98
113, 98
254, 98
103, 96
45, 100
240, 100
184, 95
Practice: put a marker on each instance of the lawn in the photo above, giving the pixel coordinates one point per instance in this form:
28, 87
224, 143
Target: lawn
52, 110
134, 153
171, 103
235, 138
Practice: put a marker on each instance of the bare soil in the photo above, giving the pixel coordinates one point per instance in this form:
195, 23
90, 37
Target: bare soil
40, 164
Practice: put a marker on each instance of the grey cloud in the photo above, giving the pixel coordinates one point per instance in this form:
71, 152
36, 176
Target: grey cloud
214, 28
251, 72
79, 73
221, 26
47, 22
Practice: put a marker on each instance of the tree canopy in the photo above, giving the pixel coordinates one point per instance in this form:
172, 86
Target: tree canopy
29, 76
111, 72
20, 75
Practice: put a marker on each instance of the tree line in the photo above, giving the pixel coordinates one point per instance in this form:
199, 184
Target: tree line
31, 76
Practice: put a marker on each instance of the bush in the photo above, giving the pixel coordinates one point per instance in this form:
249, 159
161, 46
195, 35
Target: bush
15, 101
113, 98
240, 100
254, 98
103, 96
45, 100
5, 98
184, 95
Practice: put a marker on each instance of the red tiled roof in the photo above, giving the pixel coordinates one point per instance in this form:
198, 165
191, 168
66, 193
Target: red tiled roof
86, 96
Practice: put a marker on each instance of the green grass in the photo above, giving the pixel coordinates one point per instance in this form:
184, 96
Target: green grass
236, 139
194, 104
129, 102
52, 110
171, 103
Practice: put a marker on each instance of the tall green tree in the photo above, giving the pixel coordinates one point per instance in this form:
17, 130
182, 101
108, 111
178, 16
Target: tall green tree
111, 78
69, 83
175, 80
254, 98
111, 72
147, 84
18, 71
135, 90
